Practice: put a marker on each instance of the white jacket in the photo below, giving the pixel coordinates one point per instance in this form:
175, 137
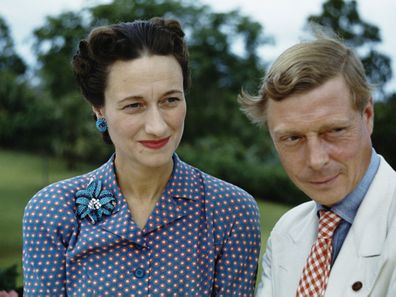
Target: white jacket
368, 254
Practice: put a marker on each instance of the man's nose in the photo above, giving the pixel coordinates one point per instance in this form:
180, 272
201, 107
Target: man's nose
318, 155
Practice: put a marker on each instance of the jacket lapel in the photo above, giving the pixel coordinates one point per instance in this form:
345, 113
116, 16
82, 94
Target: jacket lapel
165, 213
292, 249
120, 222
360, 257
179, 197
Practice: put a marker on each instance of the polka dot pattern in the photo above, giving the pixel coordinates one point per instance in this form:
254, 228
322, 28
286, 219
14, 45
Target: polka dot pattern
202, 239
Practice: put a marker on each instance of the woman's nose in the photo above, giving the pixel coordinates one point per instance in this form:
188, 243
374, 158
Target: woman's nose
155, 123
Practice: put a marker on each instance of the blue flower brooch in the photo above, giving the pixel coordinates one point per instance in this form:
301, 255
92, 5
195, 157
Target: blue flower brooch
94, 203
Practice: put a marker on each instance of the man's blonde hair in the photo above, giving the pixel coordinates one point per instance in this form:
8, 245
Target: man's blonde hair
304, 67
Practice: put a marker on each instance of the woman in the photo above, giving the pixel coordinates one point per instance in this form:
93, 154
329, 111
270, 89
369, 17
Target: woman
145, 223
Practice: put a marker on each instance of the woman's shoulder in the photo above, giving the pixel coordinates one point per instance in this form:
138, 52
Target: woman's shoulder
229, 208
215, 185
220, 191
58, 195
52, 211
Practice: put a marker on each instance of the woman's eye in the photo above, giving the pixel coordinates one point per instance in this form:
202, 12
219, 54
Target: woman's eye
133, 106
170, 101
173, 99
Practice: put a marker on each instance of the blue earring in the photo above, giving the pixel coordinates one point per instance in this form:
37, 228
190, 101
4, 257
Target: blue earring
101, 125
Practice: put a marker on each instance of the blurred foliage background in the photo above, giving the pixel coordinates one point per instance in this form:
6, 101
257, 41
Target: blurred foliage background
42, 111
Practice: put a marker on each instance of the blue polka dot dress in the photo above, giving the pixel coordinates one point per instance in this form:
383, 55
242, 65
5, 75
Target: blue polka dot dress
202, 239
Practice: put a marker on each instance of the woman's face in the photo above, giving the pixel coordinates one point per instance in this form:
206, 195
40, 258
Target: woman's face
145, 109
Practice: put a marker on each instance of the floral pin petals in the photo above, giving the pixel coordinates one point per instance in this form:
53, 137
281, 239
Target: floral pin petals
94, 203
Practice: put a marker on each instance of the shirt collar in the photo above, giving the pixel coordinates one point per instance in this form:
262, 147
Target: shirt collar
347, 207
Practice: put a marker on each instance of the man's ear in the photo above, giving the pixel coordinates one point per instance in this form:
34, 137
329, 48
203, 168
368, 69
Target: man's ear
99, 112
368, 113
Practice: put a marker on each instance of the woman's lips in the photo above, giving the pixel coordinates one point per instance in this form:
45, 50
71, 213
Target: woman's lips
155, 144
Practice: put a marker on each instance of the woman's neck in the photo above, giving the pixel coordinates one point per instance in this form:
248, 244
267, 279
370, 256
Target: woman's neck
144, 184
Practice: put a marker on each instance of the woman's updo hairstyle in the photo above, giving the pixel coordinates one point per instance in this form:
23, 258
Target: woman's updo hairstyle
126, 41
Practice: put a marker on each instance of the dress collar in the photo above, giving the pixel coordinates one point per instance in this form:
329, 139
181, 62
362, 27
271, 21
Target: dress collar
183, 188
182, 183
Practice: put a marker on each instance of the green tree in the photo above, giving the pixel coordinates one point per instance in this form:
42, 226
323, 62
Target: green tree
75, 137
218, 138
343, 18
218, 70
23, 116
384, 136
9, 60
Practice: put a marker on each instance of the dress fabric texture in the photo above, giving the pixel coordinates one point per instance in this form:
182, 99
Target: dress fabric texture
202, 239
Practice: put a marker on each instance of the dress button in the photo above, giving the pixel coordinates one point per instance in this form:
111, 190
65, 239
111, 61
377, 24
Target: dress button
139, 272
357, 286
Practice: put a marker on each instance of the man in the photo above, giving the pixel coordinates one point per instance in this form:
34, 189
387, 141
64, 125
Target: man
316, 103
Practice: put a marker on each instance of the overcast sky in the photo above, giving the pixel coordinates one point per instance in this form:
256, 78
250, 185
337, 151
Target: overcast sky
283, 19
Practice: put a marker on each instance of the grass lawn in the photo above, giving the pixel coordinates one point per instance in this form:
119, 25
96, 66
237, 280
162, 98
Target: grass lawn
23, 174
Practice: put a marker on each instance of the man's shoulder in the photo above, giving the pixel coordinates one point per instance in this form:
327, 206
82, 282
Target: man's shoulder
296, 215
385, 170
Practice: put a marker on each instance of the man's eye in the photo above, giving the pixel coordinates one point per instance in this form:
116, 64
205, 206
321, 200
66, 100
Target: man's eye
337, 131
292, 138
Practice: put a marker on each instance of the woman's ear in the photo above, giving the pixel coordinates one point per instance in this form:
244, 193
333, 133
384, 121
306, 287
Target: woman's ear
99, 112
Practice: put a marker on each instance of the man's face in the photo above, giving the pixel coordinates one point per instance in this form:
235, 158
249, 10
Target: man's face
323, 142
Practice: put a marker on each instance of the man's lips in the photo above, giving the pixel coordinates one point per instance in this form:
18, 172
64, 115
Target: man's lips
155, 144
324, 180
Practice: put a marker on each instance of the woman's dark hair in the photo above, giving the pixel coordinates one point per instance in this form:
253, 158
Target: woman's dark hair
126, 41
